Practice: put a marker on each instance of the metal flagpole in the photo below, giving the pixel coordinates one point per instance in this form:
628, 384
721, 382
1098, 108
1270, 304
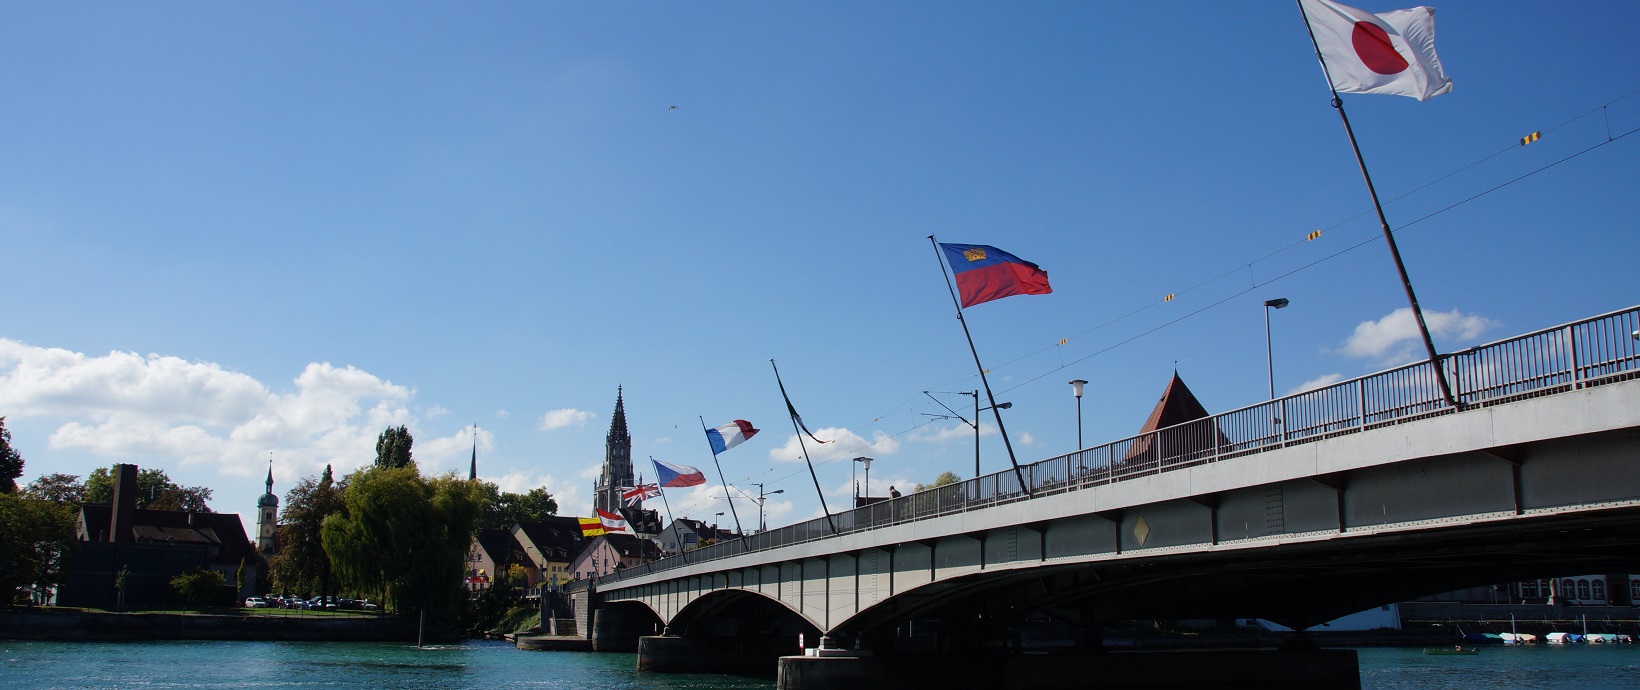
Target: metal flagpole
726, 494
1383, 223
804, 446
675, 536
991, 398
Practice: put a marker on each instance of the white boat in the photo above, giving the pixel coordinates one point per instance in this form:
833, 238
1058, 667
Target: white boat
1558, 638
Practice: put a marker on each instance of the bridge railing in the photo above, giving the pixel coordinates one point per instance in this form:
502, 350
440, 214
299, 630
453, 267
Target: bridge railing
1578, 355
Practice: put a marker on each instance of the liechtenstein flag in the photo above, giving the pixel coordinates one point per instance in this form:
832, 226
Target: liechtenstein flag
985, 273
730, 435
671, 475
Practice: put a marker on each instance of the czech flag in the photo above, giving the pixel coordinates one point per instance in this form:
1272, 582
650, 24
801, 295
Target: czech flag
985, 273
671, 475
730, 435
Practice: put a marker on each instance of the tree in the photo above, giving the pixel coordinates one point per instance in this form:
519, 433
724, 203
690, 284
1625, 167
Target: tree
155, 491
11, 464
198, 586
943, 479
407, 537
302, 565
393, 447
35, 539
503, 509
62, 488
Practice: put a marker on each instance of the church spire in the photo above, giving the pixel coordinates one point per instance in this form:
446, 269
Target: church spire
617, 423
472, 474
617, 460
270, 473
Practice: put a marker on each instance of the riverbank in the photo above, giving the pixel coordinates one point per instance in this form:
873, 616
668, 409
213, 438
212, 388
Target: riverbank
75, 624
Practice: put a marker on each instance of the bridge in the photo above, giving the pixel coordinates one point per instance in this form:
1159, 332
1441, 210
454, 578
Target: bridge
1299, 510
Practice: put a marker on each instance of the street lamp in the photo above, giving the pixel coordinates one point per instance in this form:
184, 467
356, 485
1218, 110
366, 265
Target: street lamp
1076, 389
761, 525
867, 462
974, 424
715, 534
1269, 359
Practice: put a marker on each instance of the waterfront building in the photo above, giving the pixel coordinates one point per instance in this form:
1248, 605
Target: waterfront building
611, 552
152, 546
548, 547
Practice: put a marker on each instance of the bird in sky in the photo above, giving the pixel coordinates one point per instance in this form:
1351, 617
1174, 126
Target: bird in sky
671, 109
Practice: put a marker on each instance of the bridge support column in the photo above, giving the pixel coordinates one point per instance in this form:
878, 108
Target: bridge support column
658, 654
1331, 669
617, 628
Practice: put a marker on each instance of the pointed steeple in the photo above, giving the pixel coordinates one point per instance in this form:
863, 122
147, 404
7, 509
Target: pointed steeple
472, 474
617, 459
270, 473
617, 422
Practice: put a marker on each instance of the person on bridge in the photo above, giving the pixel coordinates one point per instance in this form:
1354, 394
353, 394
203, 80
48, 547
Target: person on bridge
893, 492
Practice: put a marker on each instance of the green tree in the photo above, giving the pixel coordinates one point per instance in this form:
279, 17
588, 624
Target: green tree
63, 488
198, 586
155, 491
11, 464
36, 538
407, 537
302, 564
943, 479
503, 509
393, 447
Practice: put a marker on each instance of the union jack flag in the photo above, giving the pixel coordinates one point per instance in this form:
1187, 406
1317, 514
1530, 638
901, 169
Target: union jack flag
633, 496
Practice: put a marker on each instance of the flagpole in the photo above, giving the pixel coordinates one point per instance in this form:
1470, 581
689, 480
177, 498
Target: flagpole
726, 495
675, 535
995, 411
1383, 223
799, 433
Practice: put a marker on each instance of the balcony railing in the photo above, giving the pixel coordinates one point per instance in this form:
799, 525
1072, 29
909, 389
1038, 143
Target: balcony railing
1587, 353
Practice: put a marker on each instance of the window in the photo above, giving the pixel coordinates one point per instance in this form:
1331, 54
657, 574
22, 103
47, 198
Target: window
1568, 589
1583, 589
1528, 590
1634, 589
1599, 589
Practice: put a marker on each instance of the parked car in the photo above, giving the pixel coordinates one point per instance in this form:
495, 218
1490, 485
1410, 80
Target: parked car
367, 605
256, 603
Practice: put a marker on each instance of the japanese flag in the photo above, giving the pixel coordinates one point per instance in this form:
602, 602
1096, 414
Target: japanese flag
1390, 53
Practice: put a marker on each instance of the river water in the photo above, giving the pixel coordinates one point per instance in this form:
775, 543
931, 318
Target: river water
490, 665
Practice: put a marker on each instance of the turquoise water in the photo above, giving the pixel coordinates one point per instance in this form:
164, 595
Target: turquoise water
481, 664
1532, 667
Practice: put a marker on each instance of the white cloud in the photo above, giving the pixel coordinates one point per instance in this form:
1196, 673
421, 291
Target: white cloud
565, 417
131, 407
435, 411
840, 442
502, 414
1394, 338
572, 498
1321, 381
1026, 438
591, 471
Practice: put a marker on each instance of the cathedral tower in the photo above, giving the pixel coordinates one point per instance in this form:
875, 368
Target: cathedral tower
617, 462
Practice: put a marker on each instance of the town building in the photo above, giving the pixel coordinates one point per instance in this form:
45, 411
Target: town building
152, 547
685, 534
611, 552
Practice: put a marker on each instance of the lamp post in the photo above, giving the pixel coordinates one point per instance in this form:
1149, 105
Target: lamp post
761, 525
867, 462
974, 424
1076, 389
715, 534
1269, 359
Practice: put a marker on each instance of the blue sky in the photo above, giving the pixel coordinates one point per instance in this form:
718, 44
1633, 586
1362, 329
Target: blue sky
235, 230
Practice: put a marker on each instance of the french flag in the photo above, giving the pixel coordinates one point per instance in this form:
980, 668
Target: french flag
730, 435
671, 475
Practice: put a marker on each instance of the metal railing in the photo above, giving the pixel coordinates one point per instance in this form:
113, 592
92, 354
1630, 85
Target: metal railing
1578, 355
